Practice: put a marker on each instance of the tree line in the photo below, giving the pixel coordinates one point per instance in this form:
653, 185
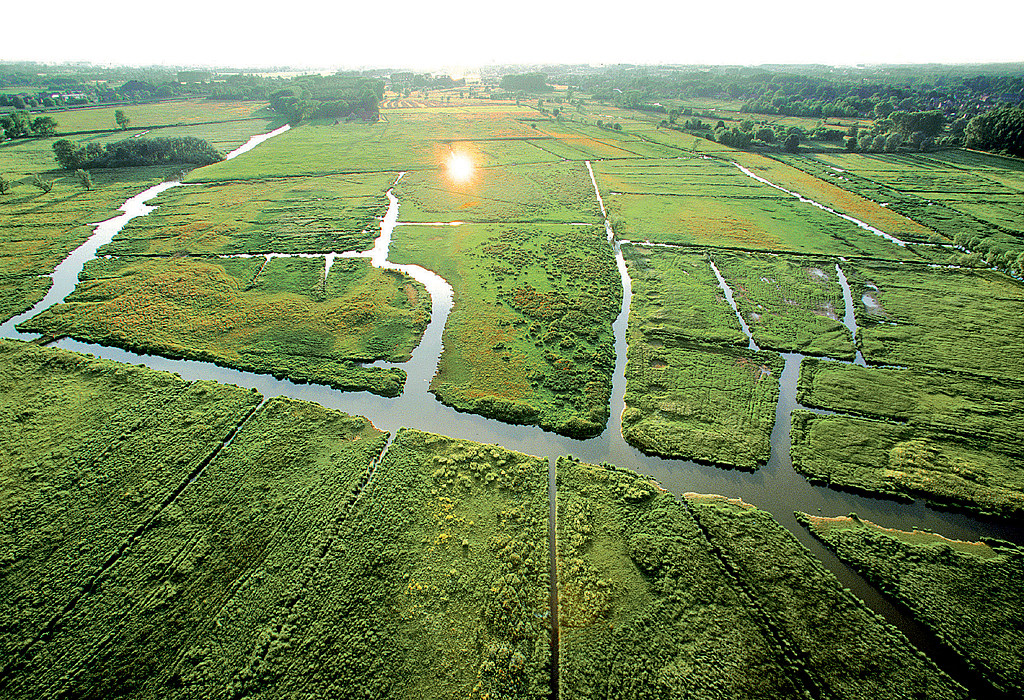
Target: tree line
177, 150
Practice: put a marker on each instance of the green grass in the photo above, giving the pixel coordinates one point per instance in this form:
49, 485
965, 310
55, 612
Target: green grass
791, 304
529, 338
968, 593
38, 230
645, 607
92, 451
676, 299
278, 316
701, 403
547, 193
709, 202
845, 650
906, 461
434, 586
936, 318
985, 410
295, 215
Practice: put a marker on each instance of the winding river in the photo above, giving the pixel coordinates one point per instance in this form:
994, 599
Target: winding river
776, 487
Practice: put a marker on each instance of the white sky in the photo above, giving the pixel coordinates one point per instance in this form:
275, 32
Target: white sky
425, 35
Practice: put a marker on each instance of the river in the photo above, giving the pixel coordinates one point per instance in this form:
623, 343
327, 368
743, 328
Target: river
776, 487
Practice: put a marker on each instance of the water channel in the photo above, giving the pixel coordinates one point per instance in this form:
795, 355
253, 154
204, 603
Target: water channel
775, 487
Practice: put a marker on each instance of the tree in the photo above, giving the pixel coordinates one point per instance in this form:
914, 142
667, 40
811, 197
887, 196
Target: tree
5, 185
44, 126
44, 185
792, 143
70, 156
122, 119
84, 179
16, 125
851, 144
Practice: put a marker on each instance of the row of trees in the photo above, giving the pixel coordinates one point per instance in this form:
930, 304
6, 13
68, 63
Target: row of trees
179, 150
1000, 130
39, 182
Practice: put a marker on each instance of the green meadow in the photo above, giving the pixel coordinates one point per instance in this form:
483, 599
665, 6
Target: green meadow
279, 316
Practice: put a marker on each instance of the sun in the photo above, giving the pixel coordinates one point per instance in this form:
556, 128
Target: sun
460, 167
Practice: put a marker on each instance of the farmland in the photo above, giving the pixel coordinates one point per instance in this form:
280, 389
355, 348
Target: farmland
354, 521
707, 598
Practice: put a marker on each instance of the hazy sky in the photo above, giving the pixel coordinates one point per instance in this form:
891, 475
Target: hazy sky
407, 33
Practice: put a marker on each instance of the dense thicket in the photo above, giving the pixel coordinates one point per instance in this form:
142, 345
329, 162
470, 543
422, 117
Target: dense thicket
330, 97
1001, 129
179, 150
527, 82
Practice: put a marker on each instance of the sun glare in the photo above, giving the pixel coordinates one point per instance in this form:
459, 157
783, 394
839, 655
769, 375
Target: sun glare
460, 167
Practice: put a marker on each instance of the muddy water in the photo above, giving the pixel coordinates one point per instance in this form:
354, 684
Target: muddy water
849, 317
776, 487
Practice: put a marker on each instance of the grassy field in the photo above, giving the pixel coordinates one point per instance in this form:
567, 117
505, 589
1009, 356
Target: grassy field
153, 114
975, 195
987, 411
547, 193
676, 299
39, 229
968, 593
278, 316
846, 651
529, 338
791, 304
936, 318
709, 598
706, 404
708, 201
645, 607
907, 461
93, 452
294, 215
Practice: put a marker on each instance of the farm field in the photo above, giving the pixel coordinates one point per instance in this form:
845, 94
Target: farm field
326, 214
529, 337
278, 316
709, 201
39, 229
848, 651
972, 198
905, 461
706, 404
967, 592
937, 318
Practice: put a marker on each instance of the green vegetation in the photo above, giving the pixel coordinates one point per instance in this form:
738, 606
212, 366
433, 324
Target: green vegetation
525, 82
135, 152
435, 586
972, 199
843, 649
529, 338
937, 318
968, 593
990, 412
691, 393
93, 452
706, 404
295, 215
709, 201
1000, 130
709, 598
676, 299
907, 461
790, 304
554, 193
645, 607
276, 315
